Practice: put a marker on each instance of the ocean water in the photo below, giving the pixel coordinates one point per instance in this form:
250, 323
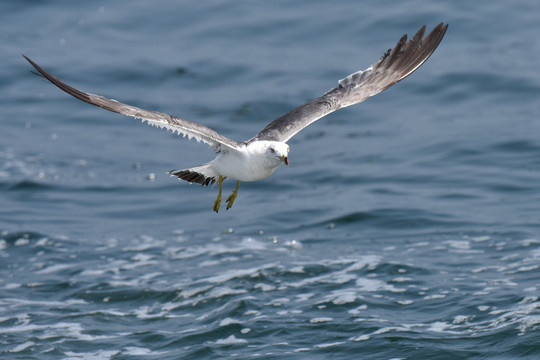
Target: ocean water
406, 227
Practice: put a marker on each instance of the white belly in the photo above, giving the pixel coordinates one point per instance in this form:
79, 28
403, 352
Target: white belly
244, 167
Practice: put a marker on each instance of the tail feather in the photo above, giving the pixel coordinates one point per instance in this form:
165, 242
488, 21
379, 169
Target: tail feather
202, 174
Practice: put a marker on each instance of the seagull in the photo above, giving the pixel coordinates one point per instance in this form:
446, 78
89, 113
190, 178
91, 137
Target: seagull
259, 157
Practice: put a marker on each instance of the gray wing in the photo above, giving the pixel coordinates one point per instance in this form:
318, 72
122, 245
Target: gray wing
394, 66
185, 127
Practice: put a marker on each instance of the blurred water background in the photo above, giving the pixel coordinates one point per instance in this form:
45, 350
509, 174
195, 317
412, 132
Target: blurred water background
406, 227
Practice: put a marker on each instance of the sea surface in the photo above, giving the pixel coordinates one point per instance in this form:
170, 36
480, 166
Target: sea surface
406, 227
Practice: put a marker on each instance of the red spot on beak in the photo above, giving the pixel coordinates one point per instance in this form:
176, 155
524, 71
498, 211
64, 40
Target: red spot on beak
286, 160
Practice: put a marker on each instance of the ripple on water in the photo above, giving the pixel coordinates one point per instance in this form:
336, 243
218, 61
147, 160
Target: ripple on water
265, 285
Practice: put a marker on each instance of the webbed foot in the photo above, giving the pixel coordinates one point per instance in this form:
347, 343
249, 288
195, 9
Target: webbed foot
218, 200
232, 197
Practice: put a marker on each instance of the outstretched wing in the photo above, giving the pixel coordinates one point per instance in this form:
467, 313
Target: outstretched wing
394, 66
187, 128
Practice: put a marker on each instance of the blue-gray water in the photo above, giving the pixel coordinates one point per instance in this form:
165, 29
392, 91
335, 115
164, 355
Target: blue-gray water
407, 227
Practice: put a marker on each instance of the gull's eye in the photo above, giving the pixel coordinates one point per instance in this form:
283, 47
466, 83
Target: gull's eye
272, 150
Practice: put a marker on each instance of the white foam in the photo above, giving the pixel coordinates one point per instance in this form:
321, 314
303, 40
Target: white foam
232, 274
225, 291
434, 296
145, 312
228, 321
148, 242
481, 293
279, 301
54, 268
252, 312
405, 302
297, 270
264, 287
21, 242
188, 293
322, 319
305, 297
93, 272
323, 346
356, 311
529, 299
480, 238
42, 242
369, 261
438, 326
11, 286
527, 268
459, 319
22, 347
294, 244
341, 297
479, 270
528, 322
385, 330
137, 351
340, 277
529, 242
72, 330
98, 355
124, 283
458, 244
231, 340
45, 303
372, 285
361, 338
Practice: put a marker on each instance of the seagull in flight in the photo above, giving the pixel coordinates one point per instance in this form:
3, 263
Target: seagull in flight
259, 157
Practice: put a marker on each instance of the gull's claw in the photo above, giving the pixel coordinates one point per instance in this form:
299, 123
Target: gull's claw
230, 200
232, 197
218, 200
217, 203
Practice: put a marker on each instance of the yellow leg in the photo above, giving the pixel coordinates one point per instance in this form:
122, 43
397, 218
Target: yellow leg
218, 200
232, 197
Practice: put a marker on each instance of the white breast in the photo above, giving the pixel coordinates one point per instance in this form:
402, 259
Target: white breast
249, 164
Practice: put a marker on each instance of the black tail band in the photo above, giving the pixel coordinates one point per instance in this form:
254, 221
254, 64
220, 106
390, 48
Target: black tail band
193, 177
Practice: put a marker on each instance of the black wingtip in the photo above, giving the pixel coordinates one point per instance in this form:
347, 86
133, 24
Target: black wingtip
443, 28
36, 66
37, 73
29, 60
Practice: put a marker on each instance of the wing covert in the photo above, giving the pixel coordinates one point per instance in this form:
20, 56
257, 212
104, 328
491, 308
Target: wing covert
184, 127
395, 65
